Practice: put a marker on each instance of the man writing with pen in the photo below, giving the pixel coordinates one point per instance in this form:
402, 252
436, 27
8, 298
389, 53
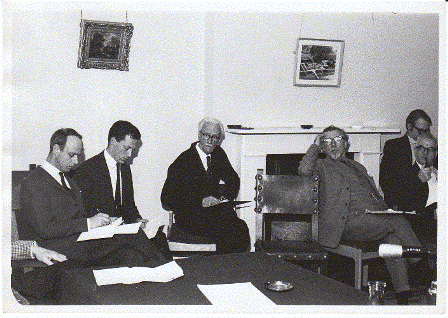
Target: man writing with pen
52, 213
106, 181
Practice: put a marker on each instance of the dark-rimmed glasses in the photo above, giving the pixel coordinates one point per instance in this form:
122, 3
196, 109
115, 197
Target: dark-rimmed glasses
337, 140
213, 138
426, 149
421, 131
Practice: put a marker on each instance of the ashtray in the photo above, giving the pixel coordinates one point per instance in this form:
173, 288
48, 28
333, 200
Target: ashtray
306, 126
279, 286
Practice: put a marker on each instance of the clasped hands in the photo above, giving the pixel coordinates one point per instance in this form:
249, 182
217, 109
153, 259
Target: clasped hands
425, 174
102, 219
211, 201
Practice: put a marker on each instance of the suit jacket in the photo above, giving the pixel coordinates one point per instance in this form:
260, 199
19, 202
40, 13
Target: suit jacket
398, 177
334, 194
93, 178
188, 182
50, 214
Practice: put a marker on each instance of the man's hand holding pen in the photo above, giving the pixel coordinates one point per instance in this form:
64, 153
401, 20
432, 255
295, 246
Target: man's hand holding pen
100, 219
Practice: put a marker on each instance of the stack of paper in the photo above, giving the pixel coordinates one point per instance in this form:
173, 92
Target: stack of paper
109, 230
236, 295
132, 275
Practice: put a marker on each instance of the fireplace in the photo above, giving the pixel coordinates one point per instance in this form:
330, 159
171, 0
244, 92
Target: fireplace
279, 151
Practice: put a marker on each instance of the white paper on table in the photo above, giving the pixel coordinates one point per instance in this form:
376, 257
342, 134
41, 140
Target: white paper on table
238, 294
128, 228
131, 275
105, 231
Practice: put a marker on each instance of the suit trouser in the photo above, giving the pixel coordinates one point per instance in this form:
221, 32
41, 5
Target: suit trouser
222, 225
391, 229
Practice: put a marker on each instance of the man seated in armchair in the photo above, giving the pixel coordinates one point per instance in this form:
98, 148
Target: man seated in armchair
346, 192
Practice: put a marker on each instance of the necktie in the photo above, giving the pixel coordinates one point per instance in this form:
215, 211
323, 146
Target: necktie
209, 161
64, 184
118, 186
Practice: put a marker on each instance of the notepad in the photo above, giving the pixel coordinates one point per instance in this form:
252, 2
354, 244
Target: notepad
132, 275
110, 230
235, 295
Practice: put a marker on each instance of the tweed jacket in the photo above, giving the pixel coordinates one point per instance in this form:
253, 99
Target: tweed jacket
334, 194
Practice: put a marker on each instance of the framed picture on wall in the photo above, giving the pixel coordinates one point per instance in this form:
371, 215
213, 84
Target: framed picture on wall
318, 62
104, 45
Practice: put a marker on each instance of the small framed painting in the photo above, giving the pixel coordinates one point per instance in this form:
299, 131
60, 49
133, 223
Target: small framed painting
318, 62
105, 45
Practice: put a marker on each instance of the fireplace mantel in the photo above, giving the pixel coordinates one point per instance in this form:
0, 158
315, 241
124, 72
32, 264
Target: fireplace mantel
247, 150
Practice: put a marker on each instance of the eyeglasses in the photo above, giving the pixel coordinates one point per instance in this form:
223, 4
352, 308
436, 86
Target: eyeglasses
421, 131
426, 149
213, 138
337, 140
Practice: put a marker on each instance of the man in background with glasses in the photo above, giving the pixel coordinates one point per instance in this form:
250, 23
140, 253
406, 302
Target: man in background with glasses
421, 195
398, 160
198, 184
346, 193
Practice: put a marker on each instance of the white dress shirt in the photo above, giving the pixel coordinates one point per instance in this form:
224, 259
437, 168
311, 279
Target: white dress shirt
413, 143
54, 172
202, 155
112, 166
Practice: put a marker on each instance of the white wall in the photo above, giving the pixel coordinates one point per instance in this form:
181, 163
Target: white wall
237, 66
390, 63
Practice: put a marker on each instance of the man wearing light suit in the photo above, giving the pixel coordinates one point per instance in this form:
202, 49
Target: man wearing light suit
52, 212
346, 191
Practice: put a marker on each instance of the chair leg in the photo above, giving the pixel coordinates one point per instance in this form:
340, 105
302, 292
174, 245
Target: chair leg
358, 272
365, 275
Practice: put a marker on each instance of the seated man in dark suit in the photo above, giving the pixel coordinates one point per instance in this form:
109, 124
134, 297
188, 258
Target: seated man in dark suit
421, 196
196, 184
346, 192
106, 180
398, 159
52, 213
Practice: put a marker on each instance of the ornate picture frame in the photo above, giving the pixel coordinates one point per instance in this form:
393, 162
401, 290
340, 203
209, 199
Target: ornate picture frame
104, 45
318, 62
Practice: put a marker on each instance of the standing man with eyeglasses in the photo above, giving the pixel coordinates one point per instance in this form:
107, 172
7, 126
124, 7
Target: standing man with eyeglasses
197, 184
346, 191
398, 160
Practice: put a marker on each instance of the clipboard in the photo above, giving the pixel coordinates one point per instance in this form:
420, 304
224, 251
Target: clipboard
390, 211
233, 204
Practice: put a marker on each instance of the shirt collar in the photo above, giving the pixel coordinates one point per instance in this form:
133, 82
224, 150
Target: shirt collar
52, 170
111, 163
202, 155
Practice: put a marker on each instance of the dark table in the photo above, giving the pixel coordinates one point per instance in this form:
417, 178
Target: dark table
78, 286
